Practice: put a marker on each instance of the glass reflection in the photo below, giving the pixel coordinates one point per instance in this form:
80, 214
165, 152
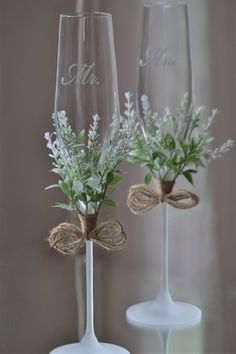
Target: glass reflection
158, 339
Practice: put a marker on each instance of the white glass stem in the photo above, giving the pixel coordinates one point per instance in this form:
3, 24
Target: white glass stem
163, 312
164, 296
164, 251
164, 335
89, 337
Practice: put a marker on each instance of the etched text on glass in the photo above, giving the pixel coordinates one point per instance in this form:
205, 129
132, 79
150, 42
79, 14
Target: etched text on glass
82, 72
158, 56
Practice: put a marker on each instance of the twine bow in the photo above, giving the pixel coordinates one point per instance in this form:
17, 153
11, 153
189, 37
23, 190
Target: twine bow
67, 238
142, 198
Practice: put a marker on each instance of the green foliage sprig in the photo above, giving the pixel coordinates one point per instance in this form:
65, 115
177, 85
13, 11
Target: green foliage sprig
88, 170
175, 144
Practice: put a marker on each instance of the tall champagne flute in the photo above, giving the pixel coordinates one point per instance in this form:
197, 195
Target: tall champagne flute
164, 75
86, 85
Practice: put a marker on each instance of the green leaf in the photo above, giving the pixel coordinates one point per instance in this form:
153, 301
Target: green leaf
147, 178
65, 188
110, 177
188, 176
64, 206
115, 180
198, 162
77, 186
191, 171
170, 141
193, 144
98, 197
52, 186
157, 154
94, 182
109, 202
83, 197
183, 145
80, 137
150, 165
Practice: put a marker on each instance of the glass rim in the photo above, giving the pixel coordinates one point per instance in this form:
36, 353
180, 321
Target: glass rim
82, 14
165, 3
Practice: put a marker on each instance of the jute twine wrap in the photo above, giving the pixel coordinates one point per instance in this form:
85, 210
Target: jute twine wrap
142, 198
67, 238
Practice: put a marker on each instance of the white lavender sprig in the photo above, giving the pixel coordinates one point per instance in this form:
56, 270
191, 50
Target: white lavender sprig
175, 144
88, 171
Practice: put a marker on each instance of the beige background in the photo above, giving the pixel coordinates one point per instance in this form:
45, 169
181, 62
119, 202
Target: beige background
38, 291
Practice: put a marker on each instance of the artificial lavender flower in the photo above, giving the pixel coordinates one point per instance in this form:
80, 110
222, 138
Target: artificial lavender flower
175, 144
86, 174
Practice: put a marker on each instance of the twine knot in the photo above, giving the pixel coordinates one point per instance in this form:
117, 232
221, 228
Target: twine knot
67, 238
142, 198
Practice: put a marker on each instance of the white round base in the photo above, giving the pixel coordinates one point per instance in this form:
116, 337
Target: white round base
152, 314
78, 348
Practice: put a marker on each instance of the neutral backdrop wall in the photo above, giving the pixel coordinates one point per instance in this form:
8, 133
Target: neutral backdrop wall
37, 298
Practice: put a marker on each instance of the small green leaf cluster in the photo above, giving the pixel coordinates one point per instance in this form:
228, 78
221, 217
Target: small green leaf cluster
175, 144
88, 171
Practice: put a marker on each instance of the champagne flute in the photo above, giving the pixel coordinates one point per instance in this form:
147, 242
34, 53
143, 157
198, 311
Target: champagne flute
86, 86
164, 76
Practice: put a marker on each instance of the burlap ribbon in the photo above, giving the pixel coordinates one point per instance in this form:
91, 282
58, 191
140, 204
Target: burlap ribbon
142, 198
67, 238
